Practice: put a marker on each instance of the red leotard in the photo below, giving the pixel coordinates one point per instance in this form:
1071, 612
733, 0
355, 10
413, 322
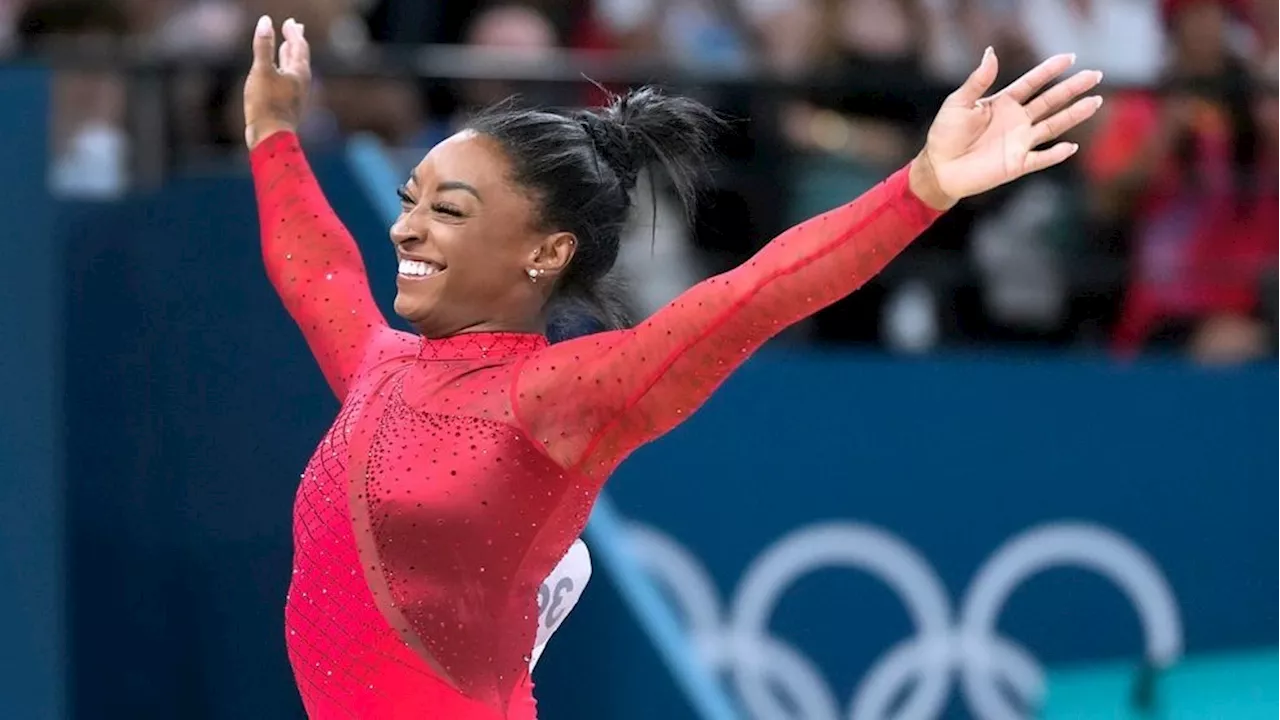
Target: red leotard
460, 470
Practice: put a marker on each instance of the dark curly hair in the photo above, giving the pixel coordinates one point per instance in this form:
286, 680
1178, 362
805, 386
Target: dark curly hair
582, 166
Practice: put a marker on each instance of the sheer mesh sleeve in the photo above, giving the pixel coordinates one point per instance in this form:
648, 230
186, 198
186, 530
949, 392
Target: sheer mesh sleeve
593, 400
313, 261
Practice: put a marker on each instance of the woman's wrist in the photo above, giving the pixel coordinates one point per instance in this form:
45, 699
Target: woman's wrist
257, 132
924, 184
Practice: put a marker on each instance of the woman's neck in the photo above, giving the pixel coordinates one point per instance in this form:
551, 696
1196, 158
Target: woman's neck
536, 326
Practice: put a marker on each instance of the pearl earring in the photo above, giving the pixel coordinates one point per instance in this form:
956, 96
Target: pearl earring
533, 274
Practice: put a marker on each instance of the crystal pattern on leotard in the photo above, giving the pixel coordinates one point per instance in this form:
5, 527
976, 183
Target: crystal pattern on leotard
461, 469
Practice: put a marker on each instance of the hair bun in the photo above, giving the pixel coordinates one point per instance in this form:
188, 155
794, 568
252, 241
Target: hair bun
644, 127
611, 141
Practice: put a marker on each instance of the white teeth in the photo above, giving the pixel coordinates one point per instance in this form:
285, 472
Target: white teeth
417, 268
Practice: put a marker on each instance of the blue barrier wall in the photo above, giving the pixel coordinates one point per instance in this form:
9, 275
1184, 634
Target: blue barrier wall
32, 664
192, 407
954, 459
192, 410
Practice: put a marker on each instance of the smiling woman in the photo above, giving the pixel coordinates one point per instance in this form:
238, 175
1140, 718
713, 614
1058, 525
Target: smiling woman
529, 208
465, 460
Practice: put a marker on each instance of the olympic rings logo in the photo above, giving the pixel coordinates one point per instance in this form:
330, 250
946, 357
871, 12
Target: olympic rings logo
756, 660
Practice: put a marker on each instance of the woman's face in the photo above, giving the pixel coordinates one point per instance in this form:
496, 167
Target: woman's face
463, 238
466, 238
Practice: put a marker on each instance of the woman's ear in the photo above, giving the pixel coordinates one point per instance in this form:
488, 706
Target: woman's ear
552, 256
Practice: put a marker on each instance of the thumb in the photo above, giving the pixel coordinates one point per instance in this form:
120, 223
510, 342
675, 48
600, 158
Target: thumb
978, 82
264, 45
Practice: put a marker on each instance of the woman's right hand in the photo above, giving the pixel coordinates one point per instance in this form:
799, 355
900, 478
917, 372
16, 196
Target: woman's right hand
275, 94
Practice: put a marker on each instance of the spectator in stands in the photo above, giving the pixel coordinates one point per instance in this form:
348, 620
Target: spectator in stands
205, 110
1019, 241
1267, 58
388, 107
858, 68
90, 145
515, 31
1267, 214
663, 256
1193, 169
207, 106
10, 10
888, 57
1124, 37
837, 39
697, 33
658, 258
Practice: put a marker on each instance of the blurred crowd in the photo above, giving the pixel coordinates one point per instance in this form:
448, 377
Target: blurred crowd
1162, 235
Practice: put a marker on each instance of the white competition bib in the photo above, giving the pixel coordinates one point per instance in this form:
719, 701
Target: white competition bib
559, 593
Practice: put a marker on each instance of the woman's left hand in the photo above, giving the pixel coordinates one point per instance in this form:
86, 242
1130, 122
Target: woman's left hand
979, 142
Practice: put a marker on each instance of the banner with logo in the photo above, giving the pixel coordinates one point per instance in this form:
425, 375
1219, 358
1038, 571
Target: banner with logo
864, 538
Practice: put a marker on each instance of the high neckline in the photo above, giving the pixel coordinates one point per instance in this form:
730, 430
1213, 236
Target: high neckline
474, 346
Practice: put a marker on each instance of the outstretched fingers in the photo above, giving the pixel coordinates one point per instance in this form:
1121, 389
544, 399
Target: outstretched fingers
1060, 122
264, 45
978, 82
1025, 87
1038, 160
1058, 96
295, 54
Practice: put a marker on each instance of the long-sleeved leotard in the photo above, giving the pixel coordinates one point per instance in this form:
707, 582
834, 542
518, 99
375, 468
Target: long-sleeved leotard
460, 470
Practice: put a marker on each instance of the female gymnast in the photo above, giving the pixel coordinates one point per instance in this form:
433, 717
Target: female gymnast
465, 458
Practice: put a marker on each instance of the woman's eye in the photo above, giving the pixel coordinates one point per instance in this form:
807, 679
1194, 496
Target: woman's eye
446, 210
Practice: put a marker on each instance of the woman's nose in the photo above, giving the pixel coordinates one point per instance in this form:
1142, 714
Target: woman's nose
402, 233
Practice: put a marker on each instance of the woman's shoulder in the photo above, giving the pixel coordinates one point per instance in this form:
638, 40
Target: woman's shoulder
388, 350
